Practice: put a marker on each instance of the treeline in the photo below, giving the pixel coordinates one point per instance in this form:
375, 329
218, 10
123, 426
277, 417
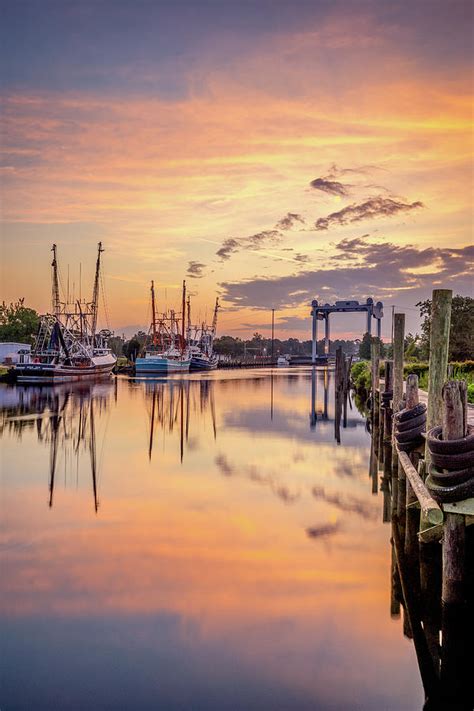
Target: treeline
19, 323
259, 345
417, 346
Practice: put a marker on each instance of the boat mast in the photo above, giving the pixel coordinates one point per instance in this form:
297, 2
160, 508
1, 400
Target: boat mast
184, 317
153, 311
55, 284
214, 320
95, 295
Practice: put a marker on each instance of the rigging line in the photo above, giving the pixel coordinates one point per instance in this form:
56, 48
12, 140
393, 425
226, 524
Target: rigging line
104, 302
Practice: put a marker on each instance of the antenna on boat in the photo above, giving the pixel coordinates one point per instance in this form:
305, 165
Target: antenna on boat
95, 294
55, 284
153, 312
183, 316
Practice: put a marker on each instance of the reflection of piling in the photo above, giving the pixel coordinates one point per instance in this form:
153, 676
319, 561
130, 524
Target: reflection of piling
338, 393
313, 416
414, 627
455, 650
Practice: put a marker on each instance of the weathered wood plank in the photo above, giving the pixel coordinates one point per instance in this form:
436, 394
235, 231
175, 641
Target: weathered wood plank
430, 508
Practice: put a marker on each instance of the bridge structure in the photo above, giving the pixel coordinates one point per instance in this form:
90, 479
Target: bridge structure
322, 313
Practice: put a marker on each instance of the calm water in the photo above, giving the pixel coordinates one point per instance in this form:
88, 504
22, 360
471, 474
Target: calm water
199, 544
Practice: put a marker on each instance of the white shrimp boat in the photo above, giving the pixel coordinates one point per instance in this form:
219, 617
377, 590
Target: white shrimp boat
68, 346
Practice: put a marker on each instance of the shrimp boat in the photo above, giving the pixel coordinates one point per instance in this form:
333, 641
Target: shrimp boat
68, 346
166, 350
201, 342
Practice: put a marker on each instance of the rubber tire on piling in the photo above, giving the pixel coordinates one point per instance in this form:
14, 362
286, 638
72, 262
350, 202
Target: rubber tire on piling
406, 414
410, 424
449, 446
451, 478
449, 494
410, 435
410, 446
451, 462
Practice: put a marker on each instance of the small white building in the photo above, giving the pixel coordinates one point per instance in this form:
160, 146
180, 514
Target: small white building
14, 352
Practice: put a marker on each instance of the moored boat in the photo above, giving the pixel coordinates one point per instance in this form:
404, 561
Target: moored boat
201, 343
166, 350
67, 346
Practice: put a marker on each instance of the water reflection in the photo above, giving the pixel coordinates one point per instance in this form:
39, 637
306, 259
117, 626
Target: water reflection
172, 404
63, 419
440, 632
236, 562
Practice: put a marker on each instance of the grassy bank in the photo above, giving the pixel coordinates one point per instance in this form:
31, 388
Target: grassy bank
361, 375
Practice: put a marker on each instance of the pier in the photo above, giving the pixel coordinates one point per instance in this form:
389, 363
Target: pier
422, 454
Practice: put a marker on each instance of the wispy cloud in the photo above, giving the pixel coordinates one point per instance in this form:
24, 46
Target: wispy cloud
253, 242
332, 187
346, 502
368, 210
370, 268
229, 247
324, 530
195, 270
289, 221
253, 474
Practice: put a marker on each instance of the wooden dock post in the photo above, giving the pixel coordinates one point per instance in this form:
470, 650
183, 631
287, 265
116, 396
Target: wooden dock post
454, 427
438, 361
455, 649
398, 346
387, 423
375, 387
412, 523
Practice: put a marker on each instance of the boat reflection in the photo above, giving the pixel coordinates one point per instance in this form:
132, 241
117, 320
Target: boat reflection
64, 418
172, 404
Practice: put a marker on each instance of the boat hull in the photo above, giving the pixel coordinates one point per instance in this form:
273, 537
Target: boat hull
198, 363
161, 366
33, 373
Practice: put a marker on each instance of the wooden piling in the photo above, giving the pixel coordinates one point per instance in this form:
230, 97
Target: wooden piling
375, 363
438, 360
454, 427
398, 345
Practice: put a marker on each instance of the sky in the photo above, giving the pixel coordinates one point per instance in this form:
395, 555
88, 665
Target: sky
267, 151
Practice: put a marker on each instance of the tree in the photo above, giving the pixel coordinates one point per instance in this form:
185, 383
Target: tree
116, 344
18, 323
412, 347
364, 346
461, 335
131, 348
